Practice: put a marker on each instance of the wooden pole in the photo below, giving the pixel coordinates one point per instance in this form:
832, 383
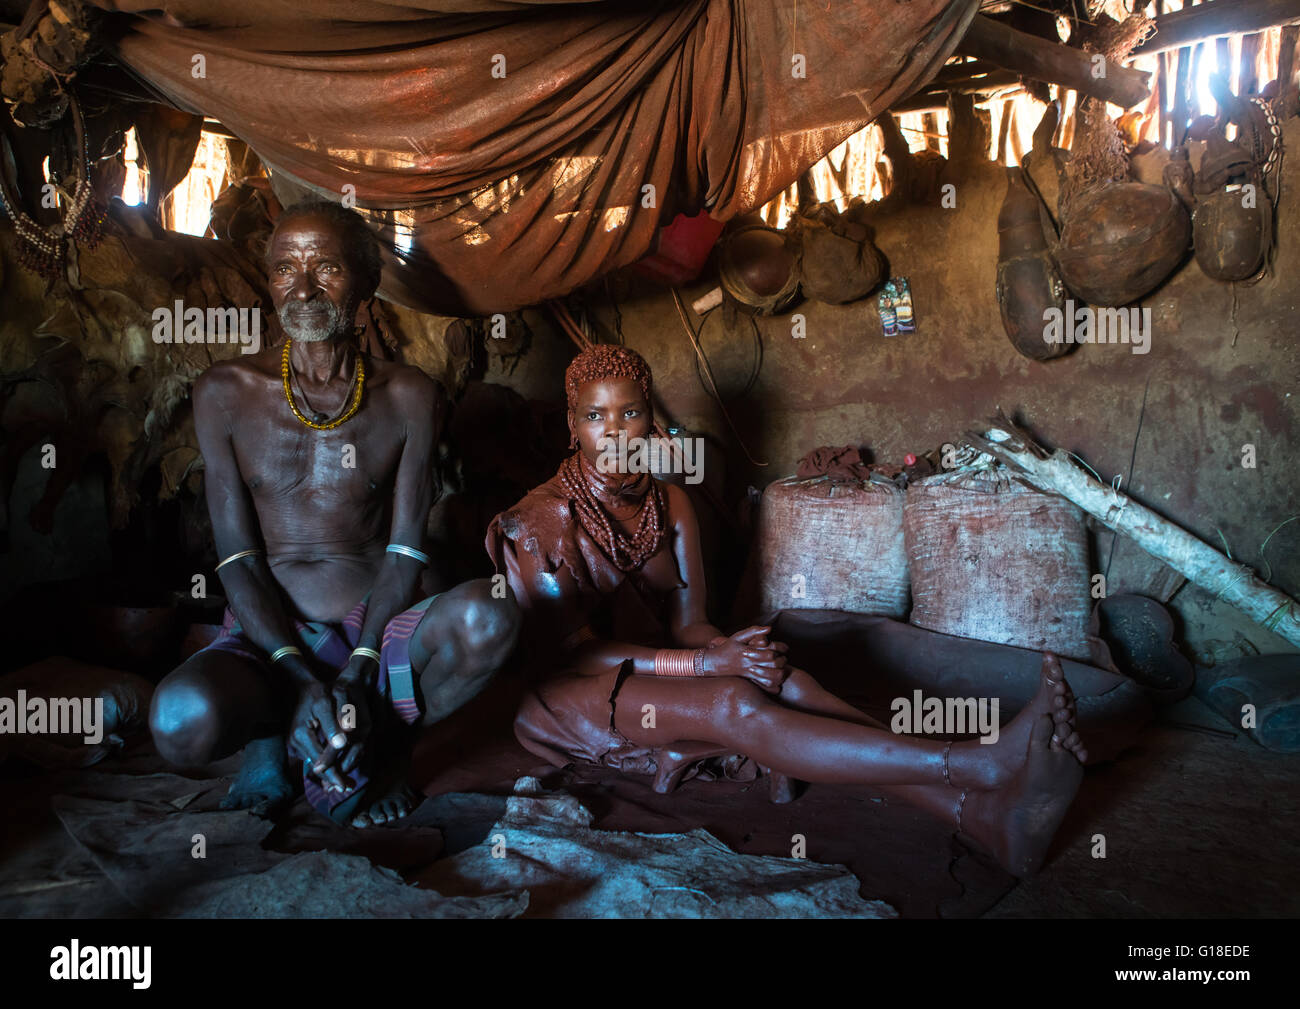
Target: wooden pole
1179, 116
1013, 137
1249, 78
1162, 86
1004, 126
968, 138
1193, 93
932, 98
1215, 18
1190, 557
896, 149
1151, 113
954, 73
1070, 119
1052, 62
1286, 64
930, 124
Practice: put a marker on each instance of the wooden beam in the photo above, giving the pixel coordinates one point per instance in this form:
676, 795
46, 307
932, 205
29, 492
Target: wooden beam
953, 72
217, 129
930, 123
1004, 127
1052, 62
992, 80
1218, 17
1248, 79
1167, 139
1013, 138
1182, 85
1069, 120
1286, 72
1193, 92
969, 77
968, 133
1196, 561
931, 100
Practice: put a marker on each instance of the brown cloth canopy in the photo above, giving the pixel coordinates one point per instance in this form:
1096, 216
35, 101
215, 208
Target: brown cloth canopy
507, 149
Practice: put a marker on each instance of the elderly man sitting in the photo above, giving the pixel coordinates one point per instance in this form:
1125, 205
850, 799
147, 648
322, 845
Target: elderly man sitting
319, 479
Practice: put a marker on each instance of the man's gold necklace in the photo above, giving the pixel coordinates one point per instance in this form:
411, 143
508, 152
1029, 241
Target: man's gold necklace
358, 380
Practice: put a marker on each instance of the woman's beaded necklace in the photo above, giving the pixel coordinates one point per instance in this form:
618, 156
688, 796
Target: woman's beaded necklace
627, 553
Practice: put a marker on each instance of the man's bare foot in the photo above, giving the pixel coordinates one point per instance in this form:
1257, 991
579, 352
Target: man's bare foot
1016, 823
993, 765
392, 807
263, 786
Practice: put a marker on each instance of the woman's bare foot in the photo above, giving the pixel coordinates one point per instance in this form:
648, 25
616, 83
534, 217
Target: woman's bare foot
993, 765
1016, 823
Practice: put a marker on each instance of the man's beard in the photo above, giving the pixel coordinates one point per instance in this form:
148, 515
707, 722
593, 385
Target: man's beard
312, 326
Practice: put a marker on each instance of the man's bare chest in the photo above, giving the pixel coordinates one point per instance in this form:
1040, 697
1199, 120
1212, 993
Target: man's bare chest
353, 462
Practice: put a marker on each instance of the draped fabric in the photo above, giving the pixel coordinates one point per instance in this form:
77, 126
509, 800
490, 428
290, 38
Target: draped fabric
513, 151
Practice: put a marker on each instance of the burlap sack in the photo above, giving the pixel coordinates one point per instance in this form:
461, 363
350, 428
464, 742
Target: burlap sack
830, 545
996, 560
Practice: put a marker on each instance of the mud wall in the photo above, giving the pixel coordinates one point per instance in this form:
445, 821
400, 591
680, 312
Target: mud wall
1222, 373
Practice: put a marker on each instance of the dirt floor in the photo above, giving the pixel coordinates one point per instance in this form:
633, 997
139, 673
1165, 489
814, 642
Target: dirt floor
1197, 821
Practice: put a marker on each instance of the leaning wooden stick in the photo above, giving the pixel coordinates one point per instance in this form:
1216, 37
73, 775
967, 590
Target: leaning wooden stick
1197, 561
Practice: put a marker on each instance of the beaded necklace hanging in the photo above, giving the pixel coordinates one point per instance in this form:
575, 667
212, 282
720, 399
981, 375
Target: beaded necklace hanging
320, 422
45, 251
626, 552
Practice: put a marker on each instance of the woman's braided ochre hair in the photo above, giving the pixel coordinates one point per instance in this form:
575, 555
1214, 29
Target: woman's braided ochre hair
603, 361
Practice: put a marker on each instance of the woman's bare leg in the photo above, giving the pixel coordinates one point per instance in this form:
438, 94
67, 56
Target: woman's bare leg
1009, 796
802, 692
735, 713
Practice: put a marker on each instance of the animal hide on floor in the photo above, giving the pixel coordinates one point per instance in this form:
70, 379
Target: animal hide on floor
546, 845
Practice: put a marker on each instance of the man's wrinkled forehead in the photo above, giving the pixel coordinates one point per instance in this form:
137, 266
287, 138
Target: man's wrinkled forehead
307, 238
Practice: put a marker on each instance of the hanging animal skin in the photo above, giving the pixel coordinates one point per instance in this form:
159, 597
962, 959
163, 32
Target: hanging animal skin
1231, 233
1028, 281
1232, 227
1121, 241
